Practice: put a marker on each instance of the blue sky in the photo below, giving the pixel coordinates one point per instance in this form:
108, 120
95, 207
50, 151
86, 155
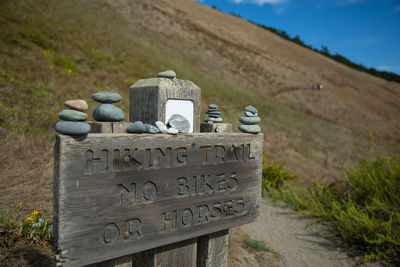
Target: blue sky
364, 31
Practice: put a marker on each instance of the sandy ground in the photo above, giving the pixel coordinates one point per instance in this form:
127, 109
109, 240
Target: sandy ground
298, 242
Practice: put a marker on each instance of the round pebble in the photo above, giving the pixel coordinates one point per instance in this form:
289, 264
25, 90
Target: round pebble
179, 122
108, 112
151, 129
136, 127
72, 115
77, 104
167, 74
249, 114
106, 97
214, 119
160, 125
172, 131
251, 109
212, 106
72, 127
249, 120
254, 129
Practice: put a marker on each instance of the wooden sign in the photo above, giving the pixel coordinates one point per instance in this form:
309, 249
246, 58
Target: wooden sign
118, 194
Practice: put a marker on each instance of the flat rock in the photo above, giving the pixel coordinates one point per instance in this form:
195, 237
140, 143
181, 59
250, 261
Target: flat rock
167, 74
212, 106
106, 97
214, 119
108, 112
251, 109
213, 116
72, 115
249, 114
136, 127
214, 112
151, 129
77, 104
72, 127
160, 125
172, 131
249, 120
254, 129
179, 122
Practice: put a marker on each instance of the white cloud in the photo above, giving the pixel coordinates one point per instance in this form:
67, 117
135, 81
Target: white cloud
260, 2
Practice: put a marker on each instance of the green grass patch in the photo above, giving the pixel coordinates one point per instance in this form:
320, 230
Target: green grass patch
365, 208
257, 245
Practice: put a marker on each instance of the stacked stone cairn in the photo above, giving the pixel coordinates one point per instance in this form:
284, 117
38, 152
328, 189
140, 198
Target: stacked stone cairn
213, 114
250, 120
73, 118
106, 111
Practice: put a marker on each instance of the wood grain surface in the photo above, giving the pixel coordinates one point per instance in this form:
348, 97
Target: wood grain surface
118, 194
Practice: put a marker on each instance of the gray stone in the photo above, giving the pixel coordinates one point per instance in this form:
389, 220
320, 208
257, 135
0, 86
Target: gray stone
72, 115
172, 131
106, 97
179, 122
151, 129
167, 74
254, 129
136, 127
213, 116
251, 109
214, 112
249, 120
77, 104
249, 114
214, 119
160, 125
212, 106
108, 112
72, 127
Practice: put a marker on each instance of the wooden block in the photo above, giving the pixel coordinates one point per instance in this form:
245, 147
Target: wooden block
108, 127
179, 254
215, 127
148, 98
118, 194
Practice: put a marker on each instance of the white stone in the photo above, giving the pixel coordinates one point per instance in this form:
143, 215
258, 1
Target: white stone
160, 125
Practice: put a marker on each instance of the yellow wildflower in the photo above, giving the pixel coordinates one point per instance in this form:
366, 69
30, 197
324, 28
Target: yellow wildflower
51, 67
46, 52
34, 212
29, 218
69, 71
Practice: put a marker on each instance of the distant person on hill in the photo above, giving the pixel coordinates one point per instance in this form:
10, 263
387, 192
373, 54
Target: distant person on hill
320, 86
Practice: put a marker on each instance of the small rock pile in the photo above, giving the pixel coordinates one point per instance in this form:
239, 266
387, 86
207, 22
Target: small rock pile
139, 127
249, 121
213, 114
73, 118
106, 111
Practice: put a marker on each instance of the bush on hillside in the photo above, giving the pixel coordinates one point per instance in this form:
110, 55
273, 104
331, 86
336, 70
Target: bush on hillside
365, 209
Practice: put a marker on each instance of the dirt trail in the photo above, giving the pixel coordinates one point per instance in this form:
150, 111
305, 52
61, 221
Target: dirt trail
296, 241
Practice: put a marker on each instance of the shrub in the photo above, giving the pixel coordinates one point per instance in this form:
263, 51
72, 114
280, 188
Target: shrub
365, 209
256, 245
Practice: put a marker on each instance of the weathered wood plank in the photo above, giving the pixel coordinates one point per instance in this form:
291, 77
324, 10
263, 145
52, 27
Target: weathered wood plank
212, 249
120, 194
179, 254
108, 127
215, 127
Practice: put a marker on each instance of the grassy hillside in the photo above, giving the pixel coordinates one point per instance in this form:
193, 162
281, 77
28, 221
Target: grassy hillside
52, 51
